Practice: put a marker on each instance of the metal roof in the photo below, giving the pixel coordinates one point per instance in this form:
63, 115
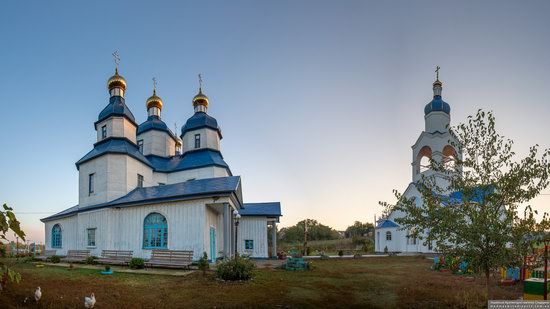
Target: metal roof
222, 186
189, 160
271, 209
386, 223
114, 145
116, 107
201, 120
154, 123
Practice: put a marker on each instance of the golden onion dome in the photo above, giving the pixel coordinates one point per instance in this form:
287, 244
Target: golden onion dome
438, 83
179, 142
200, 98
154, 101
116, 81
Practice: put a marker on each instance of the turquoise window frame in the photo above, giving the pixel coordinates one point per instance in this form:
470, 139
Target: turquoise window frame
249, 244
57, 236
155, 231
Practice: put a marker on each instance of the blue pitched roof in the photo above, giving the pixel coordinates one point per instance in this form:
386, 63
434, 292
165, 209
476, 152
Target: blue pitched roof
116, 107
272, 209
201, 120
180, 191
476, 196
437, 104
114, 145
154, 123
386, 223
189, 160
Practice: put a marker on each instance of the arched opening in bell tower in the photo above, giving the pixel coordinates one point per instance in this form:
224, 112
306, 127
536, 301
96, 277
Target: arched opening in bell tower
423, 159
449, 157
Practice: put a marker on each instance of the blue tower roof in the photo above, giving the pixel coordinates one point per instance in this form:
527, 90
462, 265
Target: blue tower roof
189, 160
200, 120
437, 105
116, 107
154, 123
114, 145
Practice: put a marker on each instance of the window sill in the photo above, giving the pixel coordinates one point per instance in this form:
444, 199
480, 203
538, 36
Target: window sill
91, 247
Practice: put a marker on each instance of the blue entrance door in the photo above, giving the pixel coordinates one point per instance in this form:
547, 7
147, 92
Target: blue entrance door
212, 244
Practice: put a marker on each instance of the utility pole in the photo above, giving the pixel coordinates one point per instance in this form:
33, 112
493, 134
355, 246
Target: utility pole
305, 236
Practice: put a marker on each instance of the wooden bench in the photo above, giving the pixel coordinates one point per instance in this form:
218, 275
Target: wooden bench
170, 258
115, 256
45, 255
76, 256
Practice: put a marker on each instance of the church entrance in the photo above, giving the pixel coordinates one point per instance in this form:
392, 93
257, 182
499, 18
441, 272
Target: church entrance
212, 244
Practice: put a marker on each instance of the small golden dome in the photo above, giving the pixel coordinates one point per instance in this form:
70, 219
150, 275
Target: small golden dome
179, 142
438, 83
201, 99
154, 101
116, 81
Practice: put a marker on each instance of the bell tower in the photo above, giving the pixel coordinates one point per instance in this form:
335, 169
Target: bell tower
435, 142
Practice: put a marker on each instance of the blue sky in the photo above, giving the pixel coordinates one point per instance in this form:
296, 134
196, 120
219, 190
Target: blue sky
319, 101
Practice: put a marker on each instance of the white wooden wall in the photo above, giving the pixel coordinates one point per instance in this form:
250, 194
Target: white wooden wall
122, 229
254, 228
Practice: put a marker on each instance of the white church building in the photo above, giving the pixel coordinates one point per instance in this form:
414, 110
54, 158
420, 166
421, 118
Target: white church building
142, 188
434, 143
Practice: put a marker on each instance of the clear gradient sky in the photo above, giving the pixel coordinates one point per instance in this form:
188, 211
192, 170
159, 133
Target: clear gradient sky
319, 101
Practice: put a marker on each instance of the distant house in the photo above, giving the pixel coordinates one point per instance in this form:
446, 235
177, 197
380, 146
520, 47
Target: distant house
142, 188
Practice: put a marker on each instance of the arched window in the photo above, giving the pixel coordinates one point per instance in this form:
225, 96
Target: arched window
423, 159
388, 235
155, 232
449, 157
56, 236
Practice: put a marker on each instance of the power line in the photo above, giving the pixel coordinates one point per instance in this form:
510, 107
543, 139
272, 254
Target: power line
34, 213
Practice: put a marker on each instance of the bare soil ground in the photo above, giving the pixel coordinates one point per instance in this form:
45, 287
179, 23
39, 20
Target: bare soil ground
395, 282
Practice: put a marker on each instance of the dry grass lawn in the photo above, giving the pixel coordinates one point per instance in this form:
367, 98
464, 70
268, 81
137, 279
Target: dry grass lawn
402, 282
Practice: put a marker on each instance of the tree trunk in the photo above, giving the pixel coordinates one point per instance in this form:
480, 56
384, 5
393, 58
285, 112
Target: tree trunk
488, 283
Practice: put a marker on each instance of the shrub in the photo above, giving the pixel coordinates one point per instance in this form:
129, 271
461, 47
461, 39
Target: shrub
107, 268
340, 253
136, 263
309, 250
235, 269
91, 260
386, 249
26, 259
55, 259
2, 251
203, 263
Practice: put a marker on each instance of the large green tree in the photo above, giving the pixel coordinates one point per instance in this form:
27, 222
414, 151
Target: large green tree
315, 231
359, 229
476, 216
8, 222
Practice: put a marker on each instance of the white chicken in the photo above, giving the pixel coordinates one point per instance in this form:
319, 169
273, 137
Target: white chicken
37, 294
89, 302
